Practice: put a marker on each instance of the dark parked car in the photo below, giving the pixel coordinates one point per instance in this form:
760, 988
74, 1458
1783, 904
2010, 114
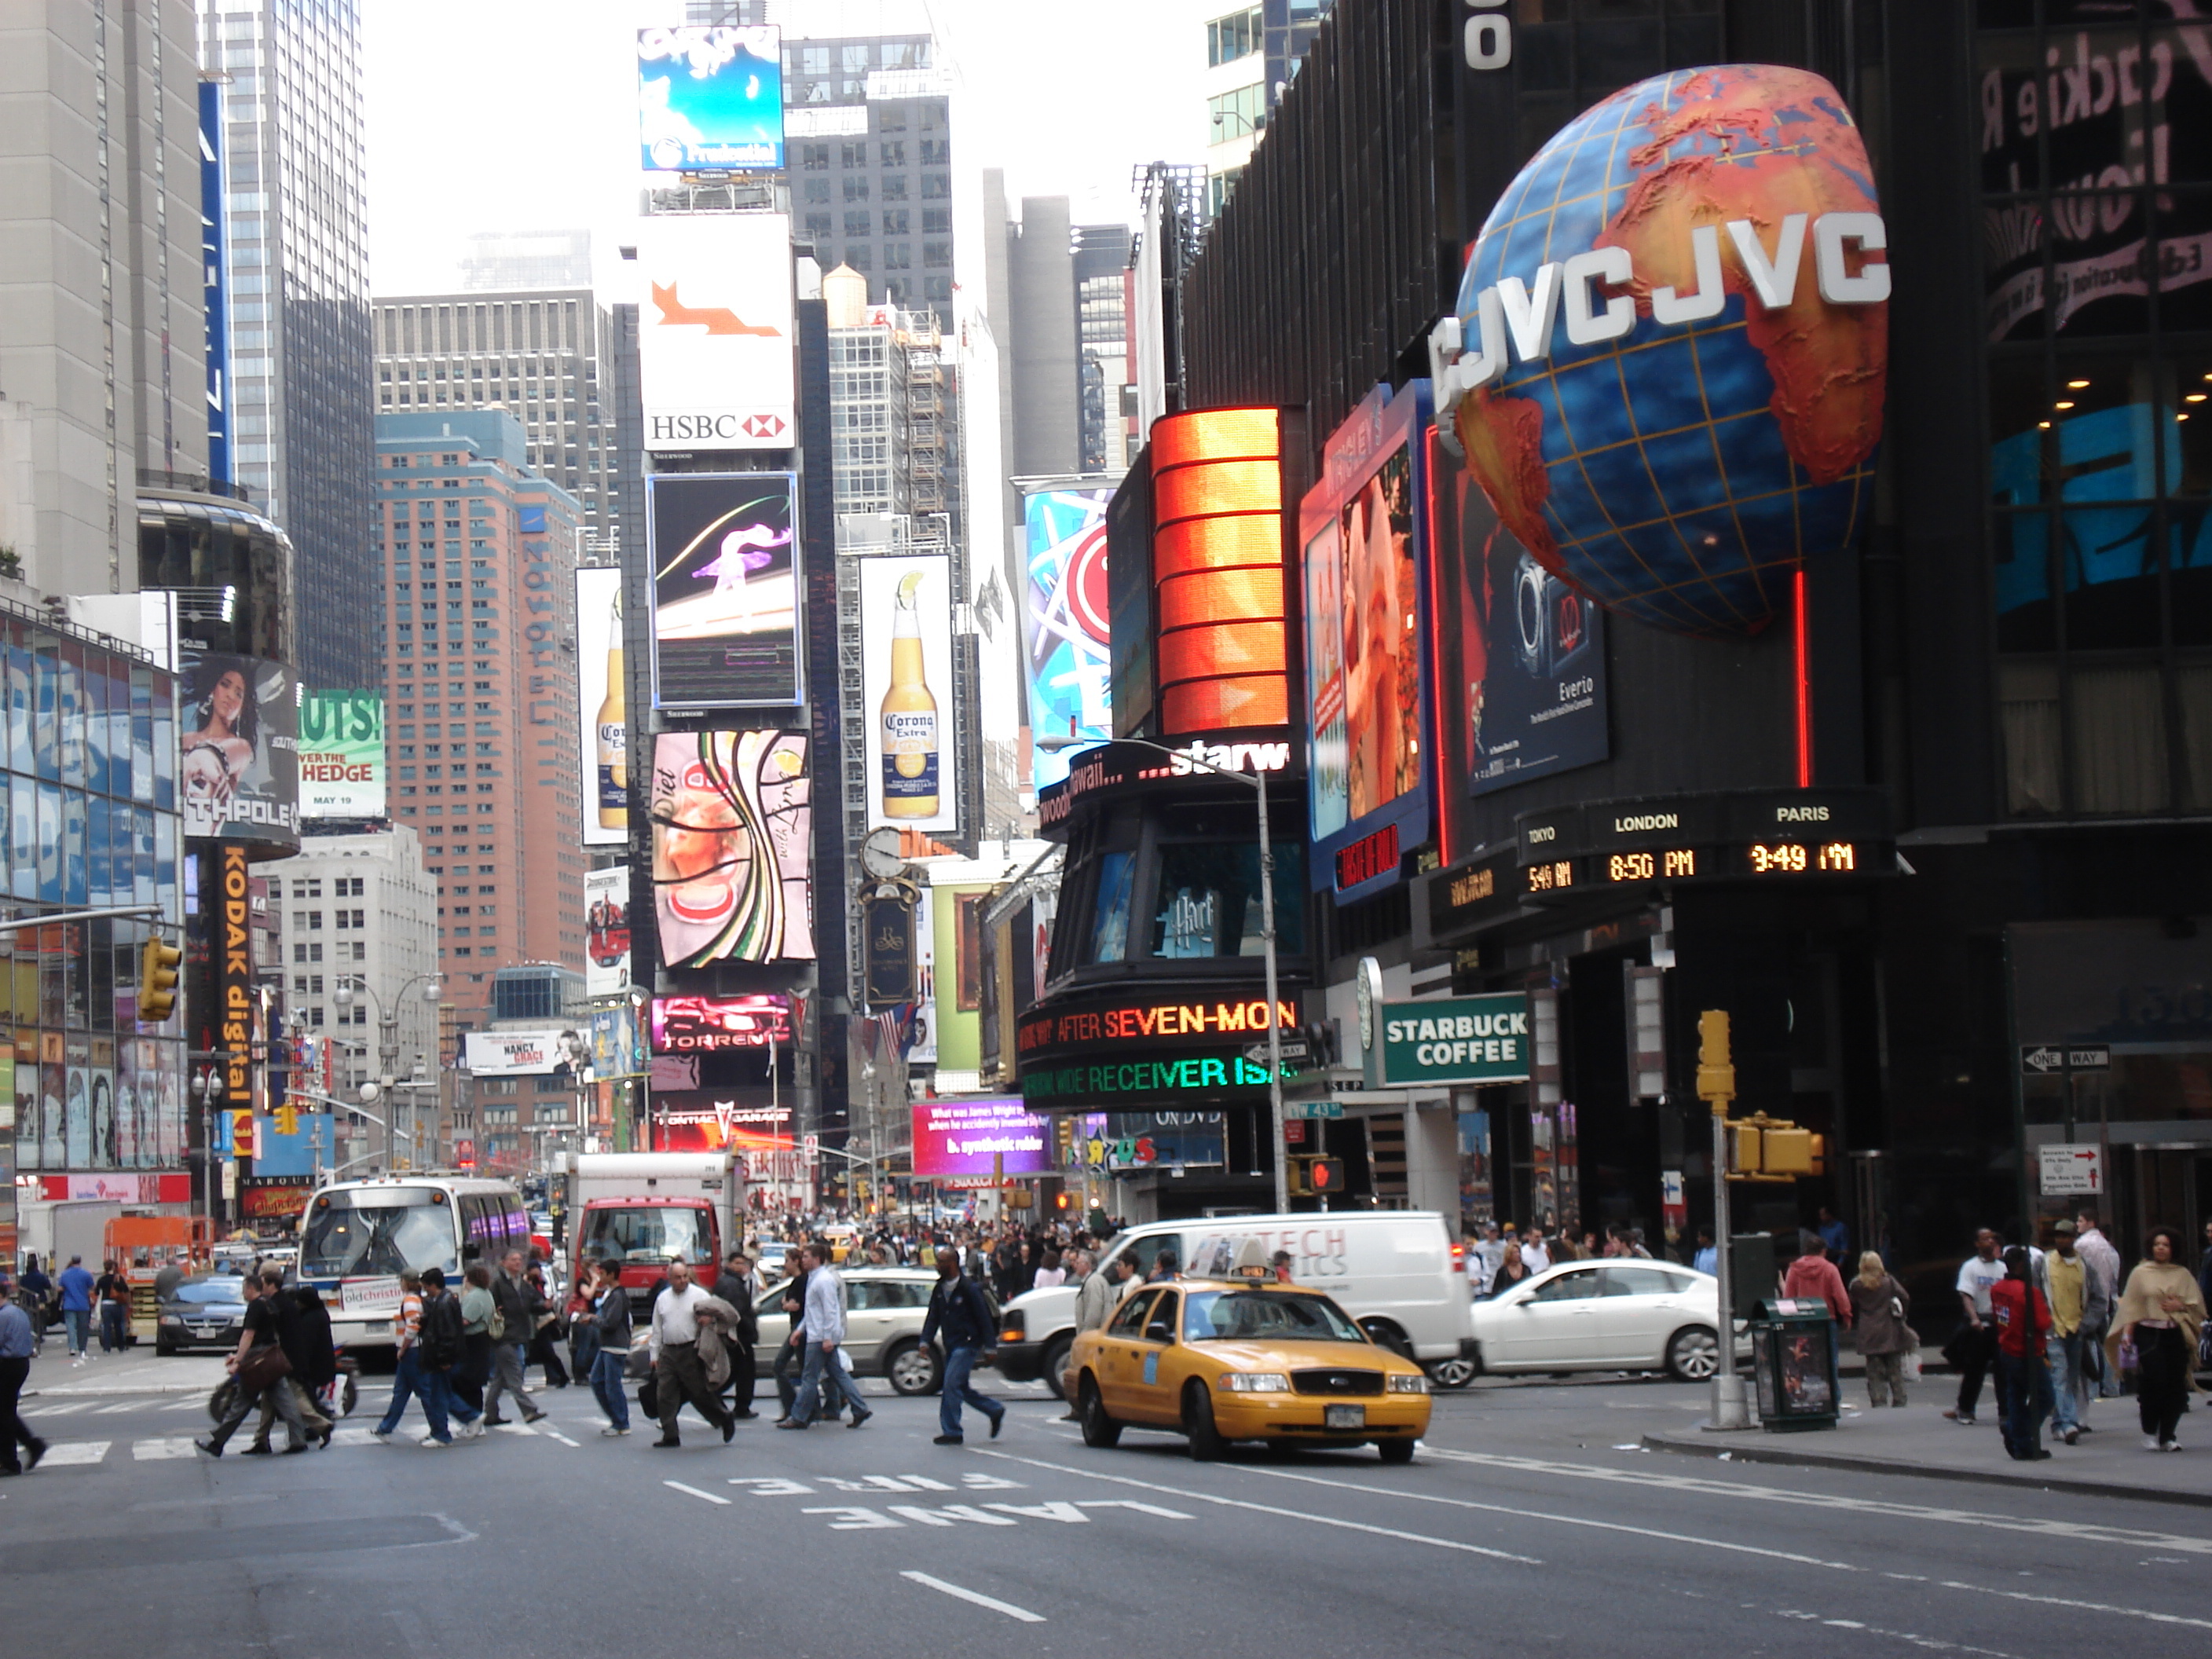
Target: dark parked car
203, 1311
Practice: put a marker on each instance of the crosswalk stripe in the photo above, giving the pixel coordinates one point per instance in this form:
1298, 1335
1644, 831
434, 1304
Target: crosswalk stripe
66, 1409
149, 1451
186, 1406
74, 1453
353, 1437
112, 1411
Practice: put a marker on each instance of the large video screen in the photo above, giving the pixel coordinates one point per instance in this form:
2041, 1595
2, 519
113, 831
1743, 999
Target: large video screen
710, 98
725, 589
1067, 621
1361, 543
730, 814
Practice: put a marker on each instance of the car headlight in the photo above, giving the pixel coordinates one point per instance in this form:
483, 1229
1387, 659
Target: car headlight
1012, 1327
171, 1319
1256, 1383
1414, 1385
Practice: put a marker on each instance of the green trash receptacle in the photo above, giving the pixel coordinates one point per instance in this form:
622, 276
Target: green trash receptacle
1793, 1362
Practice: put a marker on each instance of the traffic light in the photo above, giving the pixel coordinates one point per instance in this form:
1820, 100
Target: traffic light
1715, 1067
1772, 1149
288, 1118
157, 980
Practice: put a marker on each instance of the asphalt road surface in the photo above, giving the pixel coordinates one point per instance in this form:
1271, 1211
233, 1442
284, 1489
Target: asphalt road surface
1528, 1524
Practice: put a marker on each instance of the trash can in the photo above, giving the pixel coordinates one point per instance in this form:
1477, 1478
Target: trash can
1793, 1362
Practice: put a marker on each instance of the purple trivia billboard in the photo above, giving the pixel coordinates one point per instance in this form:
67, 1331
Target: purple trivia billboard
965, 1138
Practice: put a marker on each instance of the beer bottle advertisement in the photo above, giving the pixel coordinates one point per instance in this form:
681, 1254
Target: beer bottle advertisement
906, 610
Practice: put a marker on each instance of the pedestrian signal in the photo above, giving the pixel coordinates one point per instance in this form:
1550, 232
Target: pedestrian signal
157, 980
1319, 1176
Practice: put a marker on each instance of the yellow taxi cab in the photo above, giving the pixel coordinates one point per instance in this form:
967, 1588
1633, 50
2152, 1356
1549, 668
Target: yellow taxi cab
1225, 1359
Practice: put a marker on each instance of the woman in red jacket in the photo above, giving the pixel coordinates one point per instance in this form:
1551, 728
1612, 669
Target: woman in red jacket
2021, 1314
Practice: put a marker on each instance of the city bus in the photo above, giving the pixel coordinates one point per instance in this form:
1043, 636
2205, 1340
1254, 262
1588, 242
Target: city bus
358, 1236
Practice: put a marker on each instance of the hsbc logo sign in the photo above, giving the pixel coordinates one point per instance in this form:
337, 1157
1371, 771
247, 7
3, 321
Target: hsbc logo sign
728, 431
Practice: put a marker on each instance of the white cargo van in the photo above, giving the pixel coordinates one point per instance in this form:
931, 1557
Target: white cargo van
1398, 1272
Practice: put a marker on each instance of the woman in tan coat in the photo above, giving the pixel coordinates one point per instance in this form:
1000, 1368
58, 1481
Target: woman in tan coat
2162, 1310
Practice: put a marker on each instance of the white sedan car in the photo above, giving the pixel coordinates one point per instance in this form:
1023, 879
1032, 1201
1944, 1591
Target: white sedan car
1610, 1315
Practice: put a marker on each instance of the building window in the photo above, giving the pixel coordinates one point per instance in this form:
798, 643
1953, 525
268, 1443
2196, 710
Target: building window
936, 187
859, 223
1237, 114
856, 187
1237, 35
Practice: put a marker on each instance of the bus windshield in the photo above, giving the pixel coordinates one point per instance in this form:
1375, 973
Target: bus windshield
383, 1229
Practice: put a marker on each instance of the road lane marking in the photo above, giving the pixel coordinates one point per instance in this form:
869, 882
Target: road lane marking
2083, 1607
66, 1410
710, 1496
1520, 1512
1338, 1521
186, 1406
2061, 1529
555, 1434
112, 1410
976, 1597
74, 1453
151, 1451
949, 1515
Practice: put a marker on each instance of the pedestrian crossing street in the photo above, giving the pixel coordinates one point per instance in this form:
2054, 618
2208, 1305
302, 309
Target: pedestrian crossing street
64, 1454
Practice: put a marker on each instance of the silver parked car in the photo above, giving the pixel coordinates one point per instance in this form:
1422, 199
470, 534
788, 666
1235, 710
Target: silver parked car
885, 1307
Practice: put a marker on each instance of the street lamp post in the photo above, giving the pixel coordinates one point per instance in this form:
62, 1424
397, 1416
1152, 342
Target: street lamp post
1258, 783
387, 1039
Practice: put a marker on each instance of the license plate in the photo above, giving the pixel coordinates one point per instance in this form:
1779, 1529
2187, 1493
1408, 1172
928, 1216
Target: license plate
1344, 1417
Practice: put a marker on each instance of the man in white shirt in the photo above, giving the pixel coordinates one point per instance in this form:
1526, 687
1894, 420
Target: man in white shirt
825, 1333
1483, 1259
1533, 1255
1978, 1343
679, 1374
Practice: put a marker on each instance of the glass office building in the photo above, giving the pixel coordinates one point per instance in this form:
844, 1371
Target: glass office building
88, 768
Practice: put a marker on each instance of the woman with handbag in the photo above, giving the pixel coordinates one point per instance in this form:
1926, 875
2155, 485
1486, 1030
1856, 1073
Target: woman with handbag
258, 1366
545, 1331
2161, 1312
1879, 1307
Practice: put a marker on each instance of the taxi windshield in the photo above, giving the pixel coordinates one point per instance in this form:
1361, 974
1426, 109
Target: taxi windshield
1264, 1316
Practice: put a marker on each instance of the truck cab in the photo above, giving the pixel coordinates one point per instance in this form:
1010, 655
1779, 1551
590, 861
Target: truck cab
645, 1210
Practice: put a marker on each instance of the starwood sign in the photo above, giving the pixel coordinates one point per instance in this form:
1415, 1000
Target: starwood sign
1482, 1039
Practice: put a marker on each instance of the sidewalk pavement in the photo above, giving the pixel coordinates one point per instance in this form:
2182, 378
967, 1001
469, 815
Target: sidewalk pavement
137, 1370
1917, 1440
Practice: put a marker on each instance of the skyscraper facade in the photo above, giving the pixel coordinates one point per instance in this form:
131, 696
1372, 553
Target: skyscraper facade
481, 552
545, 357
300, 362
101, 361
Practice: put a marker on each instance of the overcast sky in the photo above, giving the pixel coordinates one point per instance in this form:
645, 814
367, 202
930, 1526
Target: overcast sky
520, 114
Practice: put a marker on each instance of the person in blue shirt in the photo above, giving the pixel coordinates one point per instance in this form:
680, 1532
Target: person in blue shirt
1835, 1238
1708, 1258
77, 1285
18, 1343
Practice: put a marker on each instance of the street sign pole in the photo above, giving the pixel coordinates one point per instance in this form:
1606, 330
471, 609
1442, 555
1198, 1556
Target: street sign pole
1717, 1086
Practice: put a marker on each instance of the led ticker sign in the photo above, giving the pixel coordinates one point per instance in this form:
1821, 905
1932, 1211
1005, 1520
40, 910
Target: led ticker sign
1368, 857
1142, 1077
1151, 1023
1113, 1050
1222, 656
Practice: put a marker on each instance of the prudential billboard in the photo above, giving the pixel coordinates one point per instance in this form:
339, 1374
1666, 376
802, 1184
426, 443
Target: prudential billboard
714, 331
710, 98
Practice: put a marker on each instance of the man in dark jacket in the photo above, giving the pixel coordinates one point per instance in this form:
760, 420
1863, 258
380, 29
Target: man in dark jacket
441, 1351
956, 1308
510, 1294
735, 1287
